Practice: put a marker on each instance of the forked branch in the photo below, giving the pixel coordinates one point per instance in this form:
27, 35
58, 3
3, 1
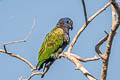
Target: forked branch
85, 25
115, 25
99, 44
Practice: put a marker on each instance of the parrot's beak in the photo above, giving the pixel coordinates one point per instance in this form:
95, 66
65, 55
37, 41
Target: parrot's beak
71, 27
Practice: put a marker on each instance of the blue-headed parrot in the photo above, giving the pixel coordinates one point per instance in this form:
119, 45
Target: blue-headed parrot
54, 42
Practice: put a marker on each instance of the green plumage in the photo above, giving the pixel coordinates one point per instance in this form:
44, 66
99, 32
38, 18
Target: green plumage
54, 43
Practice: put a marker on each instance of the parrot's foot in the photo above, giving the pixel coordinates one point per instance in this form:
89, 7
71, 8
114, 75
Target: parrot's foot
56, 56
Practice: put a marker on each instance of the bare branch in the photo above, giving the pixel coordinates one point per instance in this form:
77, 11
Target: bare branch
108, 50
98, 46
19, 41
85, 25
18, 57
33, 25
112, 33
91, 59
84, 60
79, 66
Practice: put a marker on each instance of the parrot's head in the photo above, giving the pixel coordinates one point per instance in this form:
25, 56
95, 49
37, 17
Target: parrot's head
66, 23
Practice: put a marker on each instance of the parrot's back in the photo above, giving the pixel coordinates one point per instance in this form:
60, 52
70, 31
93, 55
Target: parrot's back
52, 42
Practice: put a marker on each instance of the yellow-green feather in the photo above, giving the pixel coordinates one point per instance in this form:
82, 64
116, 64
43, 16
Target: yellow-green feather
51, 44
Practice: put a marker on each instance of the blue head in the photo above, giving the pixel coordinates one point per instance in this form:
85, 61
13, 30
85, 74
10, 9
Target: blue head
66, 23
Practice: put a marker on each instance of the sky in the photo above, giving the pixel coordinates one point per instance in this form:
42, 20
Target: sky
16, 19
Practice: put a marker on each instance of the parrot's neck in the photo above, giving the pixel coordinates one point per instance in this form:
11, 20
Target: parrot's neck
65, 28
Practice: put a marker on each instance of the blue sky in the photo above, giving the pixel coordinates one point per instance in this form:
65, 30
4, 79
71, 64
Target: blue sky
16, 18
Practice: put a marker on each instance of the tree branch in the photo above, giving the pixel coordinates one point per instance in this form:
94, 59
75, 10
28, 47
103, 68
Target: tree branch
76, 60
111, 36
85, 25
84, 60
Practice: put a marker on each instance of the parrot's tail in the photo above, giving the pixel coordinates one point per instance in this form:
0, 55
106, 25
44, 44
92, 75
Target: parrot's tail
39, 65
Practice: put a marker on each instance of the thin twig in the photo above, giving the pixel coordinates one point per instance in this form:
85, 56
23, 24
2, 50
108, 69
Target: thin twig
19, 41
85, 11
85, 25
99, 44
84, 60
34, 74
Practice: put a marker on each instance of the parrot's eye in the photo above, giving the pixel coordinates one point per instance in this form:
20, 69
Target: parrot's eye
69, 22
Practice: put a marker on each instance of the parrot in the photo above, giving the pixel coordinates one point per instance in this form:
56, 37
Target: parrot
54, 43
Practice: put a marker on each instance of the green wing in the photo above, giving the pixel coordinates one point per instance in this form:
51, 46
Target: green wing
51, 44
